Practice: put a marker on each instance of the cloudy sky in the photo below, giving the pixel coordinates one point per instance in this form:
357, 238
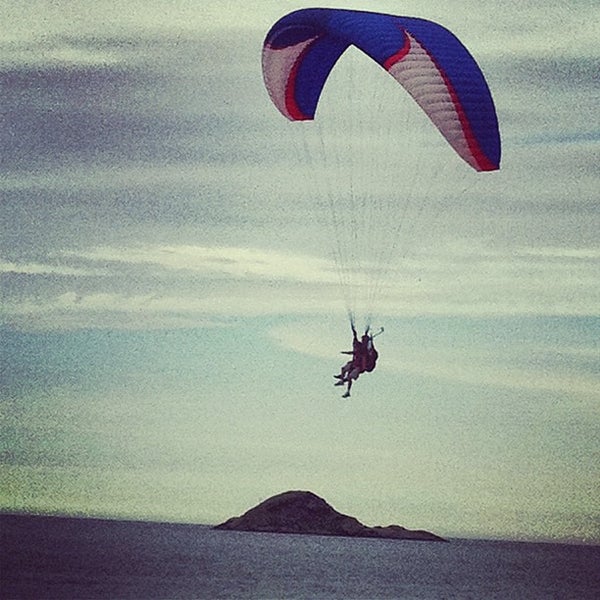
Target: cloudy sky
171, 311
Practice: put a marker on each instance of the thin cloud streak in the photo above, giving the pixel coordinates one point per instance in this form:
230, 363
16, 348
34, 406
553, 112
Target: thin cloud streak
244, 263
242, 280
47, 269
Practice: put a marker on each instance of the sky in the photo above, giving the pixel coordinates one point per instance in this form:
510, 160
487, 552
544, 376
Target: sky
171, 315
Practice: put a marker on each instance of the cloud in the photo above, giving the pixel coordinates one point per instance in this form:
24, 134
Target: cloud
71, 311
46, 269
225, 261
57, 53
497, 373
147, 284
172, 286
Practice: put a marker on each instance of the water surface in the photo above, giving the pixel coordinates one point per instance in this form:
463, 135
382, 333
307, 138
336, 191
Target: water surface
51, 557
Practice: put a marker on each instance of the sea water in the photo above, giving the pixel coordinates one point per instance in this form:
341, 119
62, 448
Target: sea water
51, 557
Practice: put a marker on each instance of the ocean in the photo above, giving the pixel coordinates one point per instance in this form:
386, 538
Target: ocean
57, 557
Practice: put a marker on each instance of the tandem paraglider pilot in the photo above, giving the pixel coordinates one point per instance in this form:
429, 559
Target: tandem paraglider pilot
364, 359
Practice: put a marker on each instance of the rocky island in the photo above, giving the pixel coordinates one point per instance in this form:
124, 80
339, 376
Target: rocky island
307, 513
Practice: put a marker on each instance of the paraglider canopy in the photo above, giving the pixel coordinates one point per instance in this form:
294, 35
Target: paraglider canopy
371, 156
429, 61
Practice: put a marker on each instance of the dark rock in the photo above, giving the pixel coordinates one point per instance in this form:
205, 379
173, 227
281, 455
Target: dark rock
305, 512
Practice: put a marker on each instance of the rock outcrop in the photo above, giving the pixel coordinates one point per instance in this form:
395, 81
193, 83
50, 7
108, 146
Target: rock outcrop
307, 513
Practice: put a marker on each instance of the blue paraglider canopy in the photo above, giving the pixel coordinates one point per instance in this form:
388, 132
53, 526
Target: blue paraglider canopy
429, 61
